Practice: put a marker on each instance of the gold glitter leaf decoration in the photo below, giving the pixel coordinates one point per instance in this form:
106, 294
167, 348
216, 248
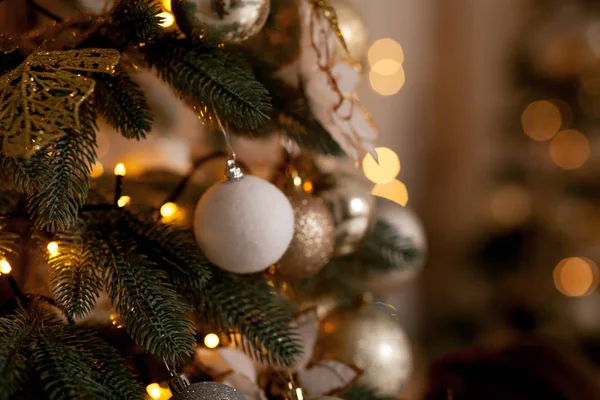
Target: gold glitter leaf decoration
329, 13
40, 99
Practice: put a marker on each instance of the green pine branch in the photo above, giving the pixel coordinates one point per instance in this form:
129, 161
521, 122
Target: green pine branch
9, 199
363, 392
249, 306
215, 81
58, 178
135, 22
74, 276
155, 315
15, 349
7, 239
384, 249
122, 103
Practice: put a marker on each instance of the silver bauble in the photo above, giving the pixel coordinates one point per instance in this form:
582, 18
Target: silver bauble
225, 20
208, 391
410, 231
372, 340
350, 201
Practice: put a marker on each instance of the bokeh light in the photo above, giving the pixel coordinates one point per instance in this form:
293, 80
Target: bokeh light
167, 19
5, 267
395, 191
385, 49
120, 169
541, 120
52, 249
387, 66
569, 149
211, 341
157, 392
97, 170
576, 277
386, 170
168, 210
387, 85
124, 201
510, 205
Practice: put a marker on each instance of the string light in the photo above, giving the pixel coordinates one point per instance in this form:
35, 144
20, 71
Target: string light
120, 169
395, 191
5, 267
124, 201
97, 170
576, 277
157, 392
541, 120
167, 19
308, 187
386, 170
52, 249
211, 341
168, 210
569, 149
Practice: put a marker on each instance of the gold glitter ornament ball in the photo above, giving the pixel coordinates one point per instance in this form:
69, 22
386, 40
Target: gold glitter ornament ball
230, 21
354, 30
371, 339
314, 238
208, 391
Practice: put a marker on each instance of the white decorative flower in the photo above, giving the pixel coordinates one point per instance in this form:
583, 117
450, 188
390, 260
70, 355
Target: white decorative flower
330, 86
321, 378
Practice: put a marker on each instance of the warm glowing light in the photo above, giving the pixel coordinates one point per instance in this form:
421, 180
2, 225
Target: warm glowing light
395, 191
299, 394
510, 205
387, 66
576, 277
357, 205
307, 186
166, 4
387, 85
569, 149
386, 170
211, 341
385, 351
154, 391
167, 19
168, 210
5, 267
124, 201
297, 181
541, 120
97, 170
120, 169
385, 49
52, 249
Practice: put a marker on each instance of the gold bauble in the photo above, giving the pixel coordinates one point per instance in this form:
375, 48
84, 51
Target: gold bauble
349, 200
230, 21
372, 340
314, 238
354, 30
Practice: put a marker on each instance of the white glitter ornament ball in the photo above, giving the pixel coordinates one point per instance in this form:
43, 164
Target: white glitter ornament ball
244, 225
208, 391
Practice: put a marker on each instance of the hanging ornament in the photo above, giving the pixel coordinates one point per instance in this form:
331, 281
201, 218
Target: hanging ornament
409, 232
225, 20
349, 200
354, 30
373, 341
314, 238
244, 224
208, 391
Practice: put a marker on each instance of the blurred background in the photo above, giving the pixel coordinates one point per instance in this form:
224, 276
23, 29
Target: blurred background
493, 109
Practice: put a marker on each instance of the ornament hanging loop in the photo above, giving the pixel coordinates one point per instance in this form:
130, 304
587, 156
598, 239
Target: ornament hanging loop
232, 171
177, 383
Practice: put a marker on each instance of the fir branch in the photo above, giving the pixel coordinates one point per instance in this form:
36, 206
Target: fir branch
26, 175
74, 277
7, 239
249, 306
9, 200
15, 343
384, 249
122, 103
153, 312
213, 80
363, 392
59, 189
136, 21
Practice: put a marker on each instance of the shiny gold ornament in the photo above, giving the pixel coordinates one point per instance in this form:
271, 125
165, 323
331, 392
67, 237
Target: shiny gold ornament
371, 339
40, 99
349, 200
330, 14
314, 238
224, 20
354, 30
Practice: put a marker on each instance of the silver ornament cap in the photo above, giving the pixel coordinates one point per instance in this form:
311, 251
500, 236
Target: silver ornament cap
208, 391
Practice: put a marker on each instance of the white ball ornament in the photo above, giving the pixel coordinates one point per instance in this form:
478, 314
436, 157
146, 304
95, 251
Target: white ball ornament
244, 224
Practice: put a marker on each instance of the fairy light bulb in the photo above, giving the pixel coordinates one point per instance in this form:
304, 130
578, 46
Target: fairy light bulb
124, 201
5, 267
52, 249
120, 169
168, 210
211, 341
154, 390
167, 19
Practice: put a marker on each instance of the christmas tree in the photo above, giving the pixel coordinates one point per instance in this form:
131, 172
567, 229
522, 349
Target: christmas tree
262, 292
